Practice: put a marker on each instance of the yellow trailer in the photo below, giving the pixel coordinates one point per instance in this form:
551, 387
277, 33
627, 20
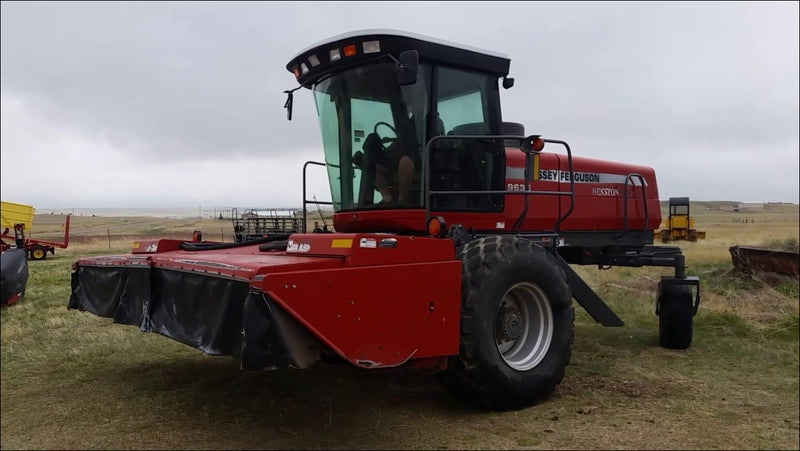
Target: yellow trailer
12, 213
17, 220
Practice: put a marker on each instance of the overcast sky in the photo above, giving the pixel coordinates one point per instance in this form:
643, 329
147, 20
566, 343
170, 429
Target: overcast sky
150, 104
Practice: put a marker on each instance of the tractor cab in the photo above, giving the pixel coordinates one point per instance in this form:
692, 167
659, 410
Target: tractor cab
679, 207
380, 97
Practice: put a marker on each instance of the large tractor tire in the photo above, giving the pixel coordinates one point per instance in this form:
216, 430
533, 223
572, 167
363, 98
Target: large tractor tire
517, 325
675, 310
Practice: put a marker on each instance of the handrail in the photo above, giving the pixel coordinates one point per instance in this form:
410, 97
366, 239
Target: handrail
305, 200
571, 182
629, 178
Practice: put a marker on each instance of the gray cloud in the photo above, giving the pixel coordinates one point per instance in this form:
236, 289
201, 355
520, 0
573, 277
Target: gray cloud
694, 89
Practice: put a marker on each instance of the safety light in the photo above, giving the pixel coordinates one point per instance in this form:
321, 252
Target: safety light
436, 226
296, 72
350, 50
372, 46
313, 60
335, 55
537, 144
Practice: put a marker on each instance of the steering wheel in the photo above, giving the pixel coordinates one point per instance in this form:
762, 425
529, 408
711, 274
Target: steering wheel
385, 140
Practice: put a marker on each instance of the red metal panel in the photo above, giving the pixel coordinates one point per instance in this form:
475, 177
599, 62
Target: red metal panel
215, 263
241, 263
155, 245
378, 316
305, 252
371, 248
369, 221
600, 192
601, 206
374, 249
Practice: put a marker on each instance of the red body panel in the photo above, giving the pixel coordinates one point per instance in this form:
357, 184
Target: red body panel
376, 316
378, 300
599, 194
242, 263
599, 200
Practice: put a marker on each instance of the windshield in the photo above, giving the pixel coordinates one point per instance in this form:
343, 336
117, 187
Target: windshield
373, 131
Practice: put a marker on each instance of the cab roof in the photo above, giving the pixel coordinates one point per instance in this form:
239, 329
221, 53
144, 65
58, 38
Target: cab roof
329, 55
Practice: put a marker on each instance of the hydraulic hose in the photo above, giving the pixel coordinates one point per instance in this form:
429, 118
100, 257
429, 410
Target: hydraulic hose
191, 246
273, 246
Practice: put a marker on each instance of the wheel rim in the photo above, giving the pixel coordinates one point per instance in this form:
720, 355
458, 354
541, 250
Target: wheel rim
38, 253
523, 326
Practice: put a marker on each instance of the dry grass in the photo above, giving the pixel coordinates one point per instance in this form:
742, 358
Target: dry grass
71, 380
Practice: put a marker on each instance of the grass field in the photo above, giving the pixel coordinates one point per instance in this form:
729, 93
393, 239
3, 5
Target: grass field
73, 380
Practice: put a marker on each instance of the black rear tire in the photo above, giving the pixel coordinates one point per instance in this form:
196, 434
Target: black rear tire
676, 312
517, 325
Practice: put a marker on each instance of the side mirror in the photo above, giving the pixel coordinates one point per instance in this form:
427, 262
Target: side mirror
407, 69
288, 104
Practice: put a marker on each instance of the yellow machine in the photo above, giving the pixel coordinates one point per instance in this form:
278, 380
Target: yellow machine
12, 213
17, 220
679, 225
